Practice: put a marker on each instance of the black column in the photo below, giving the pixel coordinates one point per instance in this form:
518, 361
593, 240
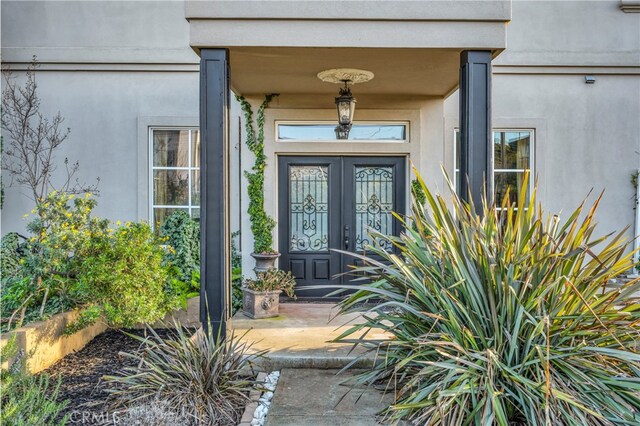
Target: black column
215, 279
476, 162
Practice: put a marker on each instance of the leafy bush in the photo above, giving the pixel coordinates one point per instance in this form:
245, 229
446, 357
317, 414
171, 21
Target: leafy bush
64, 233
179, 290
30, 400
74, 260
272, 280
501, 319
126, 277
47, 280
210, 380
11, 253
236, 275
236, 290
183, 236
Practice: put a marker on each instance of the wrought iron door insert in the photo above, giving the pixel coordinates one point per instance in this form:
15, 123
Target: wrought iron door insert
328, 203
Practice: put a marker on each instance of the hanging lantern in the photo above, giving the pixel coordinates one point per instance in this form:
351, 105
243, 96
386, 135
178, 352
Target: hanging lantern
346, 105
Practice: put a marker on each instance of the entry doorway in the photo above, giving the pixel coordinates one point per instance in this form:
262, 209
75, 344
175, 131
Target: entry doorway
331, 203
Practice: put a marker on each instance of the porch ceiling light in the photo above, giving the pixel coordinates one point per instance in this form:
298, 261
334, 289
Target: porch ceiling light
345, 102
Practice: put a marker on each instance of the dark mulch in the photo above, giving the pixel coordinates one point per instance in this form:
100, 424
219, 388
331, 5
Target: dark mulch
81, 372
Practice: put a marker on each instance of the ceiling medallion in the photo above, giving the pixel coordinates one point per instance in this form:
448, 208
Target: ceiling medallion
340, 75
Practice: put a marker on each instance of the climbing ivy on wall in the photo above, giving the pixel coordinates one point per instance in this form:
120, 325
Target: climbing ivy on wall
261, 224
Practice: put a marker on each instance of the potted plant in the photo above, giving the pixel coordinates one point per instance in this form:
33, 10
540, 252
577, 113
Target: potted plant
261, 295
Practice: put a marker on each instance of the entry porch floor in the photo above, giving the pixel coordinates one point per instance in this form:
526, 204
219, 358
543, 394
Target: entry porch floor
300, 337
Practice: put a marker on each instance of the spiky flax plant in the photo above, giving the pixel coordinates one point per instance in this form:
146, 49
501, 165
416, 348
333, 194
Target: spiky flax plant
203, 378
500, 318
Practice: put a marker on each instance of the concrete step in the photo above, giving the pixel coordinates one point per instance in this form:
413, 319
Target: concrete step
301, 337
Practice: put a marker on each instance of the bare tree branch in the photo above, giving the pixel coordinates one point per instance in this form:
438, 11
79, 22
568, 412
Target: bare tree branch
33, 140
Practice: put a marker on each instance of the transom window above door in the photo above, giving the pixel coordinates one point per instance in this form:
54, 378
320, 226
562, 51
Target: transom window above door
174, 155
289, 131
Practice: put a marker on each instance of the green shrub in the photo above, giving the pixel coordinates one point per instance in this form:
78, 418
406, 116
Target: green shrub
11, 253
74, 260
180, 291
236, 275
64, 233
126, 277
47, 280
236, 290
501, 319
30, 400
183, 236
209, 380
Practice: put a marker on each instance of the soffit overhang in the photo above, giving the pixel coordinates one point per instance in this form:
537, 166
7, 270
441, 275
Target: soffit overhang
284, 70
413, 47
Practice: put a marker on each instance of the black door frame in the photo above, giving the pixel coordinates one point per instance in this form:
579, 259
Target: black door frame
338, 193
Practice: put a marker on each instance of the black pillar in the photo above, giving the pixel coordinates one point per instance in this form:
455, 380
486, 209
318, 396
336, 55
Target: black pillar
215, 278
476, 162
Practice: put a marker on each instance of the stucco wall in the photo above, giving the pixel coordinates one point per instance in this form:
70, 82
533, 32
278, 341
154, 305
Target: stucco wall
102, 111
137, 32
108, 67
571, 33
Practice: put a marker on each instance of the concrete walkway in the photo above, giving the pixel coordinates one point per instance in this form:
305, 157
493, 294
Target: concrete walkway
300, 337
317, 398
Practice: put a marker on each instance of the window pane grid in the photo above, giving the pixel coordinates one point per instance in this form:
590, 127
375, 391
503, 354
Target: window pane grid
510, 148
167, 146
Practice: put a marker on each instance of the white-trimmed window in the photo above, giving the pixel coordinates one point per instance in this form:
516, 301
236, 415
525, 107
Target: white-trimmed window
512, 158
174, 155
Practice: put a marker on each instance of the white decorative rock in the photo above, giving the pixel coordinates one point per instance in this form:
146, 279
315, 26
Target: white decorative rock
269, 386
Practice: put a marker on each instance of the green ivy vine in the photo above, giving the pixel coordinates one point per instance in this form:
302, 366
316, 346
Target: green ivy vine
261, 224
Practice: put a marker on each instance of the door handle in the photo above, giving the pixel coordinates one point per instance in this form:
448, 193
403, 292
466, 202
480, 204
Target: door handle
346, 237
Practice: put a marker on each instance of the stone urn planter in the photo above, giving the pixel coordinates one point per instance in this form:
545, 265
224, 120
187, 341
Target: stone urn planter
265, 261
260, 304
261, 295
